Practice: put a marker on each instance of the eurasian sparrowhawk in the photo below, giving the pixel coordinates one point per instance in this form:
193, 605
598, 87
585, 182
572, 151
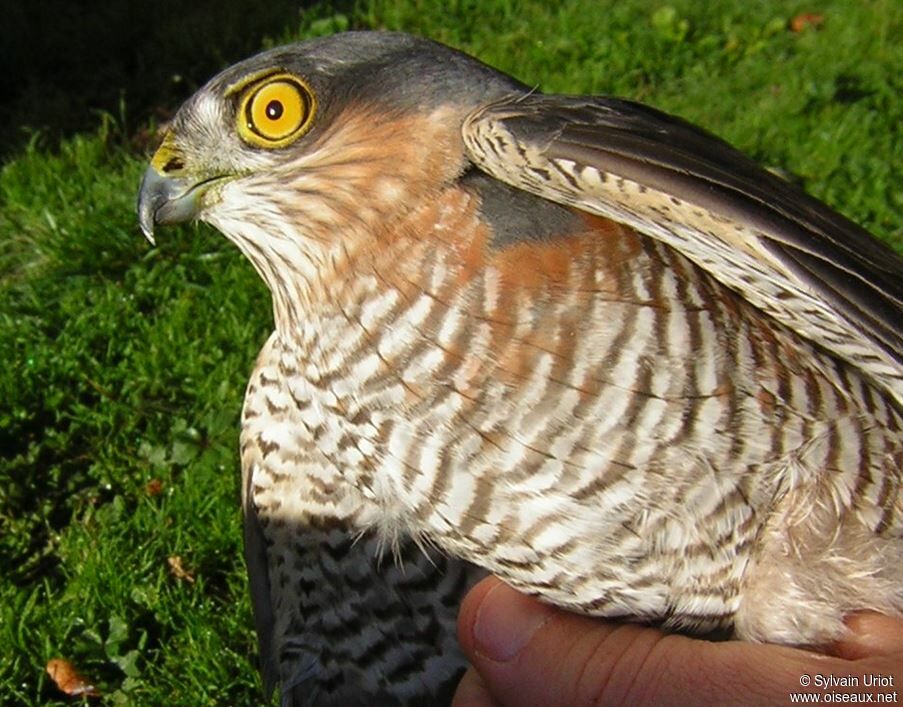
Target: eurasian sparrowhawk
574, 341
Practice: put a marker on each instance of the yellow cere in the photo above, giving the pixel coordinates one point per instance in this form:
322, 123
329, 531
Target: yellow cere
276, 111
167, 158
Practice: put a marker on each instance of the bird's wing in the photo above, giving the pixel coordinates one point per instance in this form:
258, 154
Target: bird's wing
355, 629
784, 251
259, 581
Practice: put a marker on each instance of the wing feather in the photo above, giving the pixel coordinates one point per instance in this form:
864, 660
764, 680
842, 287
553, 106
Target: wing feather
784, 251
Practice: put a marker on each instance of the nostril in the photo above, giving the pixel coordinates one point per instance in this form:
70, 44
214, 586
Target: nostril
173, 164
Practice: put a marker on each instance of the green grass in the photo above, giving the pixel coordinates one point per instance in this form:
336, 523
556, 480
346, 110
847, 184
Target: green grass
125, 364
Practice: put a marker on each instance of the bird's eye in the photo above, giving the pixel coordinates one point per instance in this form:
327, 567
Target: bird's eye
276, 111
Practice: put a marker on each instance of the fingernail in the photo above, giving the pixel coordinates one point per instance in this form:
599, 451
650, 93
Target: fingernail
505, 622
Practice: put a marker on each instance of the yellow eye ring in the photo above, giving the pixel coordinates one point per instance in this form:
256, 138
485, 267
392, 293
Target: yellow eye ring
276, 111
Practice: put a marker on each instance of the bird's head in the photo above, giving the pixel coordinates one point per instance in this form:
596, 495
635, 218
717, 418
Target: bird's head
292, 150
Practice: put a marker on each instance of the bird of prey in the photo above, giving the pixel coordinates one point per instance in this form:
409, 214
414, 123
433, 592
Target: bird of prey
572, 341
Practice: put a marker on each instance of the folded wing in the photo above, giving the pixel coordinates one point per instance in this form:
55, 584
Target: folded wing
788, 254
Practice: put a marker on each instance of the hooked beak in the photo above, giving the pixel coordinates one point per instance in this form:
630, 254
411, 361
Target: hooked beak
165, 200
168, 199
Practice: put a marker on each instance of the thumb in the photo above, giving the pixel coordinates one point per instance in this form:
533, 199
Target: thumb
871, 634
527, 653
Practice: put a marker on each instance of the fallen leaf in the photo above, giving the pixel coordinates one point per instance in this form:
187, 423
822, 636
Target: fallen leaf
178, 570
69, 680
154, 487
805, 20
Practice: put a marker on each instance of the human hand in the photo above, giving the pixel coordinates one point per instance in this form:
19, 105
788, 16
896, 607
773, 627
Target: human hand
526, 653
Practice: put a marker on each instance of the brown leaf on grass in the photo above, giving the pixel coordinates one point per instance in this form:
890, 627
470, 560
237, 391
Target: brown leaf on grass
804, 20
68, 680
178, 570
154, 487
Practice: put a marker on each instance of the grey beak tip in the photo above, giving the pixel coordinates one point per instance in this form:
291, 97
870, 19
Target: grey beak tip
149, 234
146, 219
149, 199
164, 200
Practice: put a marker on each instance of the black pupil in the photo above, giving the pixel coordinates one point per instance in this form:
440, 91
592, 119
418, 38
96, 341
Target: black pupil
274, 110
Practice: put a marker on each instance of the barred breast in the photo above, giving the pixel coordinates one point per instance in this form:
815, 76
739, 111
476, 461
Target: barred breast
585, 413
338, 623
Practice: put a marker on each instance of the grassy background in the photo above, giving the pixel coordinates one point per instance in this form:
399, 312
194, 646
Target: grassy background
125, 364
